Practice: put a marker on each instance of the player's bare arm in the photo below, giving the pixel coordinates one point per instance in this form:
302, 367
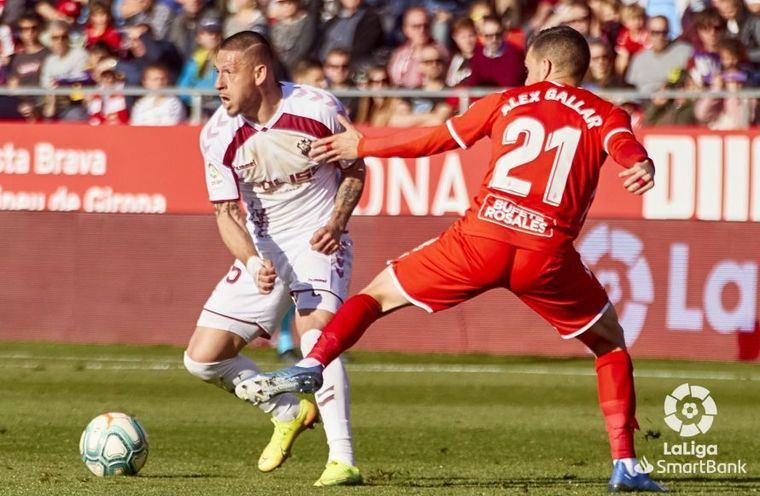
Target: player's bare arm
340, 146
231, 224
327, 239
639, 178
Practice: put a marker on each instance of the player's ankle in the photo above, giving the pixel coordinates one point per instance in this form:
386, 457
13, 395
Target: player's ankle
309, 362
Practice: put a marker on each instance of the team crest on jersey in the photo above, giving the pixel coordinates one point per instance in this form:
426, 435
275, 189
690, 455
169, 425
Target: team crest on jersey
305, 146
214, 176
506, 213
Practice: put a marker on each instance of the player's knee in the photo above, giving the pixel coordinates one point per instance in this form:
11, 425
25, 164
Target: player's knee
202, 370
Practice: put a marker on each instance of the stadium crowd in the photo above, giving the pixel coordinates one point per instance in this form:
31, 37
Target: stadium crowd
644, 45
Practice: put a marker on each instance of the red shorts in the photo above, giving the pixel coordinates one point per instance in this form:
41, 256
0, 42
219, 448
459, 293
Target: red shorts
456, 267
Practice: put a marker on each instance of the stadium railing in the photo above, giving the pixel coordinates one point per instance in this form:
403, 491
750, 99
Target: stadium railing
464, 95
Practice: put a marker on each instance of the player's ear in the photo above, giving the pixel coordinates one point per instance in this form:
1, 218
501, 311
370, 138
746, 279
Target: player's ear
546, 69
260, 74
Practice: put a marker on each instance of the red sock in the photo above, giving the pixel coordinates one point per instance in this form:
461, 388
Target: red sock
617, 397
346, 327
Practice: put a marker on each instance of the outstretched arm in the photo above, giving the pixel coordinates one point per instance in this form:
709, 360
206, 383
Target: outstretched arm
327, 239
231, 224
409, 142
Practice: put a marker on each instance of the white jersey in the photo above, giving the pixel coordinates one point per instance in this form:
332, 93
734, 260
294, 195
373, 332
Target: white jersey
268, 164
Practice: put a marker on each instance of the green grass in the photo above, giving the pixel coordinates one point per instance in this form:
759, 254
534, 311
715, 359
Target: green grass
513, 426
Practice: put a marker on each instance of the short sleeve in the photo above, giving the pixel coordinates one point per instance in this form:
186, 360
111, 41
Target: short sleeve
475, 122
221, 181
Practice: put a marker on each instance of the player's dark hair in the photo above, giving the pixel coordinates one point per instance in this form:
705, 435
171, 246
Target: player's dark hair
249, 40
565, 47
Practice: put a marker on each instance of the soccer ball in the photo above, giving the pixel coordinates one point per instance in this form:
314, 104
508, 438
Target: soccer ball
114, 444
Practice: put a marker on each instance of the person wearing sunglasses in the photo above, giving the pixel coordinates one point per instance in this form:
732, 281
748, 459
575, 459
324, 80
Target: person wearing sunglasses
649, 68
405, 65
496, 63
26, 64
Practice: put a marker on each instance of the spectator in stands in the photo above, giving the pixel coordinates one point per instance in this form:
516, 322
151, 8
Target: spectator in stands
294, 32
732, 112
356, 28
338, 72
379, 110
310, 72
100, 28
64, 62
107, 108
649, 68
672, 111
479, 10
733, 57
601, 73
496, 63
430, 111
465, 39
753, 6
605, 20
245, 15
183, 30
709, 28
60, 10
632, 37
26, 64
154, 13
199, 71
145, 50
156, 109
404, 66
575, 13
741, 24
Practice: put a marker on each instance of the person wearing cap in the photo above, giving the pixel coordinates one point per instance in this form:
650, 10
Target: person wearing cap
186, 24
199, 71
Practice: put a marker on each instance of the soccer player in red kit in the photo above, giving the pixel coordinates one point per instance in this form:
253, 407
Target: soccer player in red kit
549, 141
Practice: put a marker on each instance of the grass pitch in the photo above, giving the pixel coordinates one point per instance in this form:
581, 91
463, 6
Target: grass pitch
432, 425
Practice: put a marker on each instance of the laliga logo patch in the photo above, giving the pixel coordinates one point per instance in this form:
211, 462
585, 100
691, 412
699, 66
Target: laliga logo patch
690, 410
624, 248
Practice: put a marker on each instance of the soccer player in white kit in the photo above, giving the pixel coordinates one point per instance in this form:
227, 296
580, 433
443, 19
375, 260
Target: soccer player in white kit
292, 246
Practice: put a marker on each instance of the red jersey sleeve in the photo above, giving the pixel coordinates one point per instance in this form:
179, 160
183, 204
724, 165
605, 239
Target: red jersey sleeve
618, 139
476, 122
408, 143
462, 130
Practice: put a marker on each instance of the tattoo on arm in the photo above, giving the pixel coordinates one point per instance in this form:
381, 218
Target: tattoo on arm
349, 192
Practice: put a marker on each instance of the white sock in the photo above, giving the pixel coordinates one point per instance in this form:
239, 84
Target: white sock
332, 400
629, 463
308, 362
227, 374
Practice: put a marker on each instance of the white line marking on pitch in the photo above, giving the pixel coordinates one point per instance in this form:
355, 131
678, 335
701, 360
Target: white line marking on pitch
138, 363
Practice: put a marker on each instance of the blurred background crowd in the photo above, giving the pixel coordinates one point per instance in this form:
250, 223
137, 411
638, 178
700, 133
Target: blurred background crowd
640, 45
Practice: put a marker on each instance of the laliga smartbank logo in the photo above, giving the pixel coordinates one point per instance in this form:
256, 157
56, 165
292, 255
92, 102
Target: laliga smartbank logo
690, 411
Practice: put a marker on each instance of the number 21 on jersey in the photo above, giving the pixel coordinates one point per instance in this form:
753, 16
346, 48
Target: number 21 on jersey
564, 140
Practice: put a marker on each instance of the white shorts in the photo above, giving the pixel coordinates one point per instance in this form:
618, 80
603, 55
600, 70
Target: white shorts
308, 278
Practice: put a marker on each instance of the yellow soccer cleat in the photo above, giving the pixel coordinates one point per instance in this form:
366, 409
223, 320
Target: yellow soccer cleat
285, 434
339, 474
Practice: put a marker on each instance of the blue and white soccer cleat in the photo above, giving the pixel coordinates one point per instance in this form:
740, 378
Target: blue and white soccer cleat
622, 481
294, 379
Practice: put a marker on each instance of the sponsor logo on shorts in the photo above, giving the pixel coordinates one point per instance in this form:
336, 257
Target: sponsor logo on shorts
317, 280
506, 213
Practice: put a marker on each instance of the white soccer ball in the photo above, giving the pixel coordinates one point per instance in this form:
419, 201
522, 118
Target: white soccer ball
114, 444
